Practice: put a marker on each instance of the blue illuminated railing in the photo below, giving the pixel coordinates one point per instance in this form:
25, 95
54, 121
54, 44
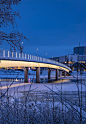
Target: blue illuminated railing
26, 57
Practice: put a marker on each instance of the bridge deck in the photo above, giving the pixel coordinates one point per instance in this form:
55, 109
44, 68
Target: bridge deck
11, 59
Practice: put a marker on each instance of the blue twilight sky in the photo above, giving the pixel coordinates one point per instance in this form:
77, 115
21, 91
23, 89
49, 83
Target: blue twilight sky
52, 26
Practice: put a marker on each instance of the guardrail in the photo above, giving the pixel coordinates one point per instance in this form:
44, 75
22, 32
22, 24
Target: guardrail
26, 57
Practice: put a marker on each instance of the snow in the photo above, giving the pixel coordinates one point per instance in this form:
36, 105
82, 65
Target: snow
69, 83
17, 90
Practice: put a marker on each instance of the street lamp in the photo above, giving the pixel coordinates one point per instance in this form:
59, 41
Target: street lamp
36, 51
21, 47
46, 55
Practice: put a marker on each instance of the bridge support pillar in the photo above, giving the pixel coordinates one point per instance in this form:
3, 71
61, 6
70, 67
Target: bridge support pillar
26, 75
60, 73
57, 74
65, 74
49, 71
38, 75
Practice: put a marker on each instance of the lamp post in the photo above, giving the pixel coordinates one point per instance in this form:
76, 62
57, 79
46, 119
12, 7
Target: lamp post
46, 55
36, 51
21, 47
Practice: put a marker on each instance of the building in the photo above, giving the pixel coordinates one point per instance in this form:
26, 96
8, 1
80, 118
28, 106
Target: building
81, 50
79, 55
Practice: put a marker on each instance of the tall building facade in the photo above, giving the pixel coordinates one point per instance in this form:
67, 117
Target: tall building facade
81, 50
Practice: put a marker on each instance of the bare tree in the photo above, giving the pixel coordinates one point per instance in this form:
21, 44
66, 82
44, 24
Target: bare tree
7, 17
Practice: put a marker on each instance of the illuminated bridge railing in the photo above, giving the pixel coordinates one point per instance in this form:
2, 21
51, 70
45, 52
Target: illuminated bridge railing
26, 57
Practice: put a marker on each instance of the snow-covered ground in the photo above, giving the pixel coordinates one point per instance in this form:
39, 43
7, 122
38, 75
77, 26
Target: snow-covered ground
17, 92
67, 85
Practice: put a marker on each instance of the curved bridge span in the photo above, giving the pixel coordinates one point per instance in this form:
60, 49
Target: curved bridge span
14, 59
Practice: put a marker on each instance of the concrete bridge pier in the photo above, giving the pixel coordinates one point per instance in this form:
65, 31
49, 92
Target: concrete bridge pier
57, 74
60, 73
65, 74
38, 75
26, 75
49, 71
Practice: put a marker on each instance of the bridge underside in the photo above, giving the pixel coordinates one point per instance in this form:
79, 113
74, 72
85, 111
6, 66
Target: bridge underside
9, 63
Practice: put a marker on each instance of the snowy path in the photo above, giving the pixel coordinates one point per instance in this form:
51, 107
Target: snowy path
56, 85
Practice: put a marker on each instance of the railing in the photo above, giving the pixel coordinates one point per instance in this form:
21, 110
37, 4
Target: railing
26, 57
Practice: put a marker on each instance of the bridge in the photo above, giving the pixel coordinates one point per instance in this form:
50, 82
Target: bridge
15, 59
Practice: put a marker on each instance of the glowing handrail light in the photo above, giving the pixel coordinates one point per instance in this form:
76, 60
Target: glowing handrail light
8, 54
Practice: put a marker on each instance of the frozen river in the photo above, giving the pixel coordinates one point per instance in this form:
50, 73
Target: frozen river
14, 80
